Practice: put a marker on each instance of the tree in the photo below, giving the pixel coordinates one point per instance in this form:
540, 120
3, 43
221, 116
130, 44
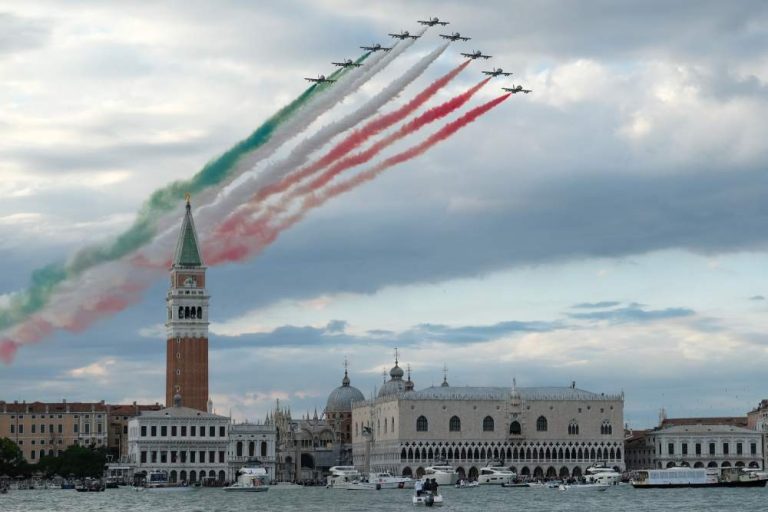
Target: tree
11, 458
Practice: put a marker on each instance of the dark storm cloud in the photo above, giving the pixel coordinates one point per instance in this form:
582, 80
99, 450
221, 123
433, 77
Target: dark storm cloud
757, 298
18, 34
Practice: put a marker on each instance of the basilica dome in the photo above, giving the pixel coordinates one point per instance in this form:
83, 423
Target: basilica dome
341, 398
395, 384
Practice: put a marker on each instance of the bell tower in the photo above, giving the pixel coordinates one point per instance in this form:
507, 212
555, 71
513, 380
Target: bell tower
187, 322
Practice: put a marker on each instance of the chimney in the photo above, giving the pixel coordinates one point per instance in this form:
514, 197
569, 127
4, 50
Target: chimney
63, 400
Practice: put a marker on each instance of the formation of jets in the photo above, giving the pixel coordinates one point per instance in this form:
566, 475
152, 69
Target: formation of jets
404, 35
477, 54
347, 64
516, 89
497, 72
455, 37
320, 80
375, 48
430, 22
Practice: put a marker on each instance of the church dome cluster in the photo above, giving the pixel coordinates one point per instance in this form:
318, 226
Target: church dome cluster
341, 398
395, 384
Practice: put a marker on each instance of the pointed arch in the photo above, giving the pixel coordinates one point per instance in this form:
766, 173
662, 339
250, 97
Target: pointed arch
541, 424
515, 429
488, 424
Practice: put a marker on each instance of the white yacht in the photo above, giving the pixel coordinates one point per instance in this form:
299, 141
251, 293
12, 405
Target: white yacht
602, 475
342, 477
443, 474
427, 499
496, 475
250, 479
389, 481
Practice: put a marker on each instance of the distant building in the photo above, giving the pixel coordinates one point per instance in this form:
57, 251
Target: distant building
48, 428
309, 447
757, 419
540, 431
250, 443
718, 442
191, 445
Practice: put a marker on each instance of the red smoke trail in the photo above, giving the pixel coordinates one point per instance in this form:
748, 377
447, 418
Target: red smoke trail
234, 224
241, 247
353, 140
35, 328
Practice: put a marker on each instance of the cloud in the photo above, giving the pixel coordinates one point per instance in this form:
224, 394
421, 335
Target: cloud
19, 34
596, 305
98, 369
634, 313
757, 298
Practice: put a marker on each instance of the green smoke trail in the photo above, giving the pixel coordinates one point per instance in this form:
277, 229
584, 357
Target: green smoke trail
45, 280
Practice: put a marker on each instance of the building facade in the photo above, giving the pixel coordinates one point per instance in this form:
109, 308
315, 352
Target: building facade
191, 445
541, 432
706, 445
252, 443
757, 419
48, 428
187, 322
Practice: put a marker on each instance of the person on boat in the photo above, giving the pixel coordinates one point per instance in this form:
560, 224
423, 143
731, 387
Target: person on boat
418, 487
433, 487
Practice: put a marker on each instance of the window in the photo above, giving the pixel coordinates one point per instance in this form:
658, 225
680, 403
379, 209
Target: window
685, 448
726, 448
32, 454
711, 448
183, 431
193, 431
739, 449
221, 457
99, 428
698, 448
211, 457
42, 428
263, 448
488, 424
163, 457
87, 428
143, 457
163, 431
153, 430
515, 429
33, 428
76, 428
454, 425
143, 431
61, 428
222, 431
192, 456
13, 429
671, 448
212, 432
174, 431
541, 424
753, 448
421, 424
606, 428
573, 428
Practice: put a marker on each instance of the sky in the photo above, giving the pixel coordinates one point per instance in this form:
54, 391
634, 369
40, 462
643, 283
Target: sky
609, 228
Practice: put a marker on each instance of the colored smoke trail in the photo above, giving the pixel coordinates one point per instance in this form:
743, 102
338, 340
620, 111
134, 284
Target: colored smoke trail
241, 217
264, 232
301, 153
144, 228
355, 139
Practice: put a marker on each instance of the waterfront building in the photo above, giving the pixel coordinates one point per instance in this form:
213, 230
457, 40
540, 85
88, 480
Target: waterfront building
537, 431
639, 450
757, 419
187, 322
705, 444
252, 443
48, 428
310, 446
191, 445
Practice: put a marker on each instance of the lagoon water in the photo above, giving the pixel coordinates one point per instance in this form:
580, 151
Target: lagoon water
486, 499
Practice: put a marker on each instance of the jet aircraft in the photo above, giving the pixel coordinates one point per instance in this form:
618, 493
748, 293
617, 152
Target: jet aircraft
404, 35
497, 72
432, 22
375, 48
477, 54
455, 37
320, 80
347, 64
516, 89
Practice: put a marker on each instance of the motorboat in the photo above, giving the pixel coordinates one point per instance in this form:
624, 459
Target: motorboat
496, 475
342, 477
427, 499
602, 475
444, 474
250, 479
90, 485
583, 487
386, 480
517, 485
466, 484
